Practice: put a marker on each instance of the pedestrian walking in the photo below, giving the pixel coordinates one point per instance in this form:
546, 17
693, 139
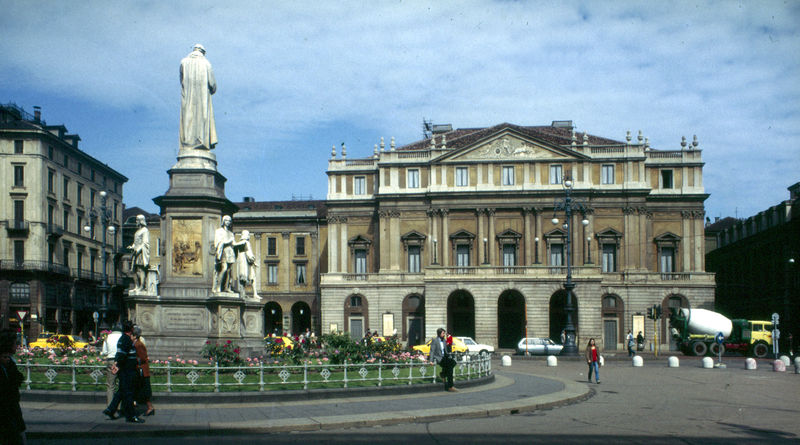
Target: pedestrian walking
11, 423
145, 392
441, 354
593, 360
109, 352
631, 342
640, 341
126, 366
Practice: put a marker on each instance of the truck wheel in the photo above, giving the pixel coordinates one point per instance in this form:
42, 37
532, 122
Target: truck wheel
716, 348
760, 350
699, 348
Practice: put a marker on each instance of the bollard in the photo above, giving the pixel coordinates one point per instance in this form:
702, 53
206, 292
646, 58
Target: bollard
708, 362
785, 360
638, 362
797, 365
673, 362
506, 360
778, 366
750, 364
552, 360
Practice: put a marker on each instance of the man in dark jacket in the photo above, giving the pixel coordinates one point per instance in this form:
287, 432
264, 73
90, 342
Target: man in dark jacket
125, 364
441, 353
11, 423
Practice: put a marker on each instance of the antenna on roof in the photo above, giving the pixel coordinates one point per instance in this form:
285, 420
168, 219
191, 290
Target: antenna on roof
427, 128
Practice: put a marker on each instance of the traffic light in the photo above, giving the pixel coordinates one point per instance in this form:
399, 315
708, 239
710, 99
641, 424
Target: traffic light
658, 311
650, 313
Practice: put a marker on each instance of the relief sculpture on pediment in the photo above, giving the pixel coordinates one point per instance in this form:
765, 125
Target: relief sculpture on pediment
508, 148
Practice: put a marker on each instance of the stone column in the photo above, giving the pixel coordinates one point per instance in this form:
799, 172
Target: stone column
526, 216
287, 266
645, 215
260, 270
445, 238
394, 239
630, 239
344, 249
699, 233
537, 217
687, 241
491, 236
384, 249
481, 235
432, 235
333, 245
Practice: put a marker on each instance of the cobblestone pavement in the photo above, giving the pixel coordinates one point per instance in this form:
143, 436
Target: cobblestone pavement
525, 404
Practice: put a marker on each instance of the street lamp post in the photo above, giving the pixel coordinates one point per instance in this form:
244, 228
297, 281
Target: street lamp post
536, 250
568, 205
106, 216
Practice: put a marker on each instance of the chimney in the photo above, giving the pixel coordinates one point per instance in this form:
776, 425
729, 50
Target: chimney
37, 113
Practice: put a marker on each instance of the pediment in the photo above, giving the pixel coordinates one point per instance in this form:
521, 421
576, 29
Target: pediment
508, 145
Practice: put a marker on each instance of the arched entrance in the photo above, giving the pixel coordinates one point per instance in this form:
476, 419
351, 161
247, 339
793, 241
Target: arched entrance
613, 321
414, 319
273, 319
558, 315
301, 317
675, 301
510, 319
461, 314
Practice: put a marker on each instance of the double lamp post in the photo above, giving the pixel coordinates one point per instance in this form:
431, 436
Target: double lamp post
105, 215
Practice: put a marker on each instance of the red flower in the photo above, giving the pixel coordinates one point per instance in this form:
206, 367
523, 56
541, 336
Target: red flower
208, 342
229, 342
236, 350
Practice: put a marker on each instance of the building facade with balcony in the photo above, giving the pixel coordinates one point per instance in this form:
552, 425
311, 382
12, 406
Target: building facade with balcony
50, 267
456, 231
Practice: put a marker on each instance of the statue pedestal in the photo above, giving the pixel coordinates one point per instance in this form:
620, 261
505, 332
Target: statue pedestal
184, 313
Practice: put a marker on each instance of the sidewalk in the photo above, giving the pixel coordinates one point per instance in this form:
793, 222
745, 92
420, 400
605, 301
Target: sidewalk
511, 392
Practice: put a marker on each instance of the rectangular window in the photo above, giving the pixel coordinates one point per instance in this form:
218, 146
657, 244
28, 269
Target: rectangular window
360, 185
413, 179
66, 220
556, 254
66, 188
66, 256
19, 210
78, 223
19, 251
555, 174
79, 260
91, 175
462, 255
667, 259
50, 152
413, 259
92, 260
666, 179
272, 273
19, 176
609, 259
462, 176
51, 180
508, 175
66, 160
50, 213
91, 198
509, 255
79, 193
300, 270
300, 245
158, 246
272, 246
607, 174
360, 261
18, 147
80, 168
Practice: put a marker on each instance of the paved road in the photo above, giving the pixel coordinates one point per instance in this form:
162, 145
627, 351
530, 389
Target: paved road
654, 404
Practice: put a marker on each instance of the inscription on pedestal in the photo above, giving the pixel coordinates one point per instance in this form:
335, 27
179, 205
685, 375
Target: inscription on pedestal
184, 319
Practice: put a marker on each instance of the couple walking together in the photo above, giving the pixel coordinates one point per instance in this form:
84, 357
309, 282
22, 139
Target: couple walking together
442, 354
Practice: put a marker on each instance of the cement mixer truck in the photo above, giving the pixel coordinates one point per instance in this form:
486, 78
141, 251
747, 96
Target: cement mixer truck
695, 330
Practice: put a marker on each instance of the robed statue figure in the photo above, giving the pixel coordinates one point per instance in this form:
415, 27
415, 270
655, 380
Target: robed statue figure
197, 113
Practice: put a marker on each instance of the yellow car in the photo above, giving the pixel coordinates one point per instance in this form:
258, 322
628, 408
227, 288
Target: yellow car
50, 341
458, 346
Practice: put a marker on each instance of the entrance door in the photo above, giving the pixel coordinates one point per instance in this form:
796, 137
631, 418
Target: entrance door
414, 331
356, 328
609, 335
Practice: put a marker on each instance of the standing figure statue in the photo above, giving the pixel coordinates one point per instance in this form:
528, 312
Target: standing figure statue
197, 113
140, 260
245, 264
224, 256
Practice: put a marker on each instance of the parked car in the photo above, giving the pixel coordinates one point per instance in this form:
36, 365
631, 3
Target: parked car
51, 341
458, 346
538, 346
476, 348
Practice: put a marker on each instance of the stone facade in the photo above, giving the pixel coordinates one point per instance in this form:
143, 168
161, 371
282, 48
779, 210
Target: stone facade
455, 231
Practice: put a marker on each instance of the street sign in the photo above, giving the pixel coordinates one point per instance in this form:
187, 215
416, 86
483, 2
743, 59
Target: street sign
95, 316
775, 318
720, 337
22, 314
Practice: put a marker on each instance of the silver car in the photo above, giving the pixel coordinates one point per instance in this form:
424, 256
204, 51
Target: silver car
538, 346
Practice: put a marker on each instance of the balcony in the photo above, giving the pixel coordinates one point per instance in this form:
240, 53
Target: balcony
54, 230
34, 266
17, 227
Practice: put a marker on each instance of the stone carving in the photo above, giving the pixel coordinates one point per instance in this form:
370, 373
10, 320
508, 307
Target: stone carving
251, 322
146, 319
245, 264
509, 148
224, 255
140, 260
187, 258
229, 321
197, 114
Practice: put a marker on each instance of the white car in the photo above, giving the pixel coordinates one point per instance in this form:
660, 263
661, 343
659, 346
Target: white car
538, 346
475, 348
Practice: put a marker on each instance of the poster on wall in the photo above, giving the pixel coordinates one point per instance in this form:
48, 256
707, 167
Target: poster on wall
187, 248
388, 324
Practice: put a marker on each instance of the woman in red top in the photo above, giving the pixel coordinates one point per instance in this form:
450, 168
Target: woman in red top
593, 359
144, 366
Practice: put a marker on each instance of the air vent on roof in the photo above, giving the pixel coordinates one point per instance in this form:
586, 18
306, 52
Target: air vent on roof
442, 128
248, 199
562, 124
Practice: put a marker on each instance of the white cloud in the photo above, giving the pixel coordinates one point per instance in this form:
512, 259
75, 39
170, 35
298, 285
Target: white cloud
295, 78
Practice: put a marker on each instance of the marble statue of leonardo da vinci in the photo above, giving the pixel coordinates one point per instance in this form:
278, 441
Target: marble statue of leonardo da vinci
197, 113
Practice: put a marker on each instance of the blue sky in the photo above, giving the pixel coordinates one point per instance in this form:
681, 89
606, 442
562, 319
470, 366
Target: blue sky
295, 78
